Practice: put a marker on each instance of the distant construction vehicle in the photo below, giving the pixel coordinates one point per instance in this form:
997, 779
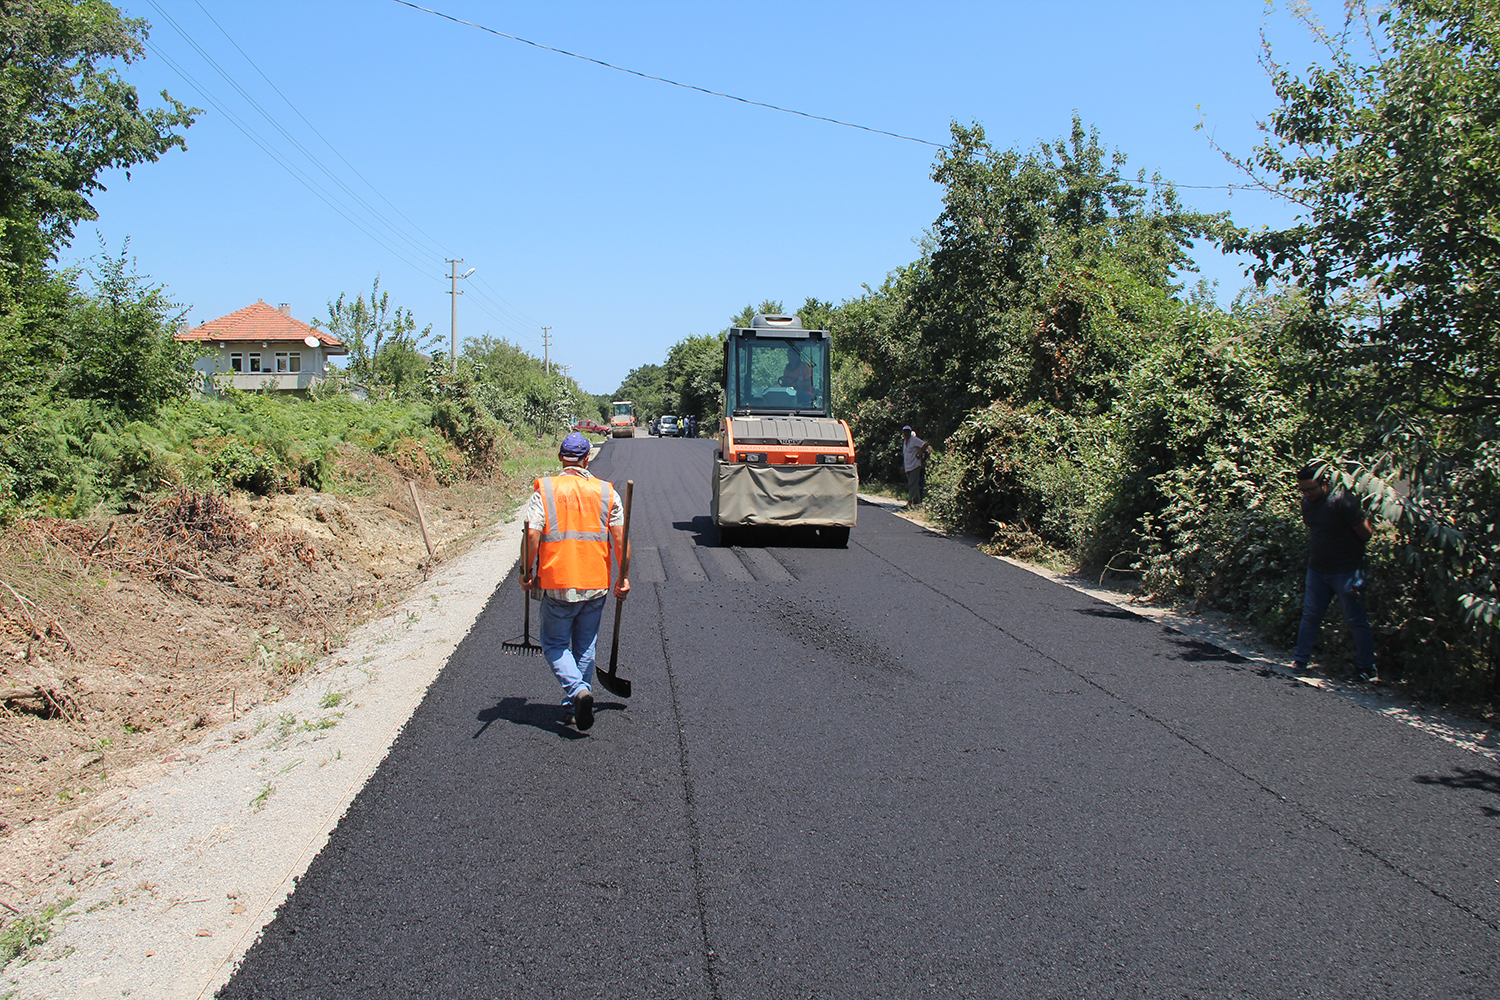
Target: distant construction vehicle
783, 460
622, 419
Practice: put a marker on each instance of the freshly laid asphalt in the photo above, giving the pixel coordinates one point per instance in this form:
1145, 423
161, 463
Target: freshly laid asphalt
901, 769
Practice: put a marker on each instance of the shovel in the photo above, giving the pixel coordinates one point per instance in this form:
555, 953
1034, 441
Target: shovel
524, 647
616, 685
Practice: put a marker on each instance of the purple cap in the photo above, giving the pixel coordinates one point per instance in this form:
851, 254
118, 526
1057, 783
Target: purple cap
575, 445
906, 427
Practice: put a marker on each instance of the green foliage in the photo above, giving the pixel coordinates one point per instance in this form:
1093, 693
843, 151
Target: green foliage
385, 349
1043, 276
767, 307
694, 375
29, 931
469, 425
118, 346
645, 386
65, 116
516, 388
1391, 154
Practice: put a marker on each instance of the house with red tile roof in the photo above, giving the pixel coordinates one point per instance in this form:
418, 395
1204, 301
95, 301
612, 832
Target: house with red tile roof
263, 347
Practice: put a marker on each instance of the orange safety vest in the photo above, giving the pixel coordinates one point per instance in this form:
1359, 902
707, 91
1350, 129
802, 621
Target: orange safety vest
575, 541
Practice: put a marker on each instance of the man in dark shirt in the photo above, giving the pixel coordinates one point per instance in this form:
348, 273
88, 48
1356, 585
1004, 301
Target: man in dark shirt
1337, 531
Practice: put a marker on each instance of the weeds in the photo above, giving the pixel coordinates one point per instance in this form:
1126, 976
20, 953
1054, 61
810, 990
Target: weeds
259, 802
29, 931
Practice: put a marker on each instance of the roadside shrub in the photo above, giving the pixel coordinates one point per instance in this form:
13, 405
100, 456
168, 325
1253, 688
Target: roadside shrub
470, 428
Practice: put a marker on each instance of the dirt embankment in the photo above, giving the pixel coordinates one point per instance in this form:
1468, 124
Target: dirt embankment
124, 640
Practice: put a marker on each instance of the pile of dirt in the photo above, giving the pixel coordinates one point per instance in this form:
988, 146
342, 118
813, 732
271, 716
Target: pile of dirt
123, 640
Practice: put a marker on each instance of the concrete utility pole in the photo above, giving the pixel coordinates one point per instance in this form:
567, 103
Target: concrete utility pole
547, 348
454, 277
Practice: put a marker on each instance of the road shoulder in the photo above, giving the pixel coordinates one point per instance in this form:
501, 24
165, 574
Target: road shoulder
175, 875
1221, 631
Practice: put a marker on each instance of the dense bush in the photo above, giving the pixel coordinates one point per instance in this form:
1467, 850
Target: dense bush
1087, 410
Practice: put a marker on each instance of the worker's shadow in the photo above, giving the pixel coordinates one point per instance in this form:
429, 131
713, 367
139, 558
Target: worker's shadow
544, 715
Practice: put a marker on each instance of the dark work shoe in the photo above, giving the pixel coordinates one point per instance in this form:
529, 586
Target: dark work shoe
1299, 666
1364, 674
583, 710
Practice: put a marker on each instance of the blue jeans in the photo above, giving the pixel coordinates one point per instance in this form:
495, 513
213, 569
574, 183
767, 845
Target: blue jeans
1320, 590
570, 631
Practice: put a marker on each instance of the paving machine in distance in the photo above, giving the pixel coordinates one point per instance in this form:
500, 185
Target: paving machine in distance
783, 460
622, 419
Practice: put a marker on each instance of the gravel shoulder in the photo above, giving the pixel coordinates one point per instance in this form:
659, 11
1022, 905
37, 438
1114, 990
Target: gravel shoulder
191, 857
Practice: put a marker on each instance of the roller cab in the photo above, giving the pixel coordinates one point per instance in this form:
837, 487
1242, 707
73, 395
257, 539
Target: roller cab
783, 459
622, 419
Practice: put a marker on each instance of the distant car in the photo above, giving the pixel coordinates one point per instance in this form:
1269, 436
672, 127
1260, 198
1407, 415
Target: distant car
667, 426
590, 427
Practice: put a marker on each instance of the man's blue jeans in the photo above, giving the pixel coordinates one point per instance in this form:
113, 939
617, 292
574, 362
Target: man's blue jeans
570, 631
1321, 587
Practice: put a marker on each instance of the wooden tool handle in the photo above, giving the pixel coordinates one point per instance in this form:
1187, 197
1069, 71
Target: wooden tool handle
614, 645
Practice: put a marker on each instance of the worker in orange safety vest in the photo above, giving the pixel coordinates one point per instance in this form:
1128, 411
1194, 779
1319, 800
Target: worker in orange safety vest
575, 527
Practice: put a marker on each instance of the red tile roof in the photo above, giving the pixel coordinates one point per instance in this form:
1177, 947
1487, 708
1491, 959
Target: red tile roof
261, 321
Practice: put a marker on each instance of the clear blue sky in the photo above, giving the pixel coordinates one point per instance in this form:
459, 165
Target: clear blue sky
624, 213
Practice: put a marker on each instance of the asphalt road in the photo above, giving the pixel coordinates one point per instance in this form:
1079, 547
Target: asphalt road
899, 770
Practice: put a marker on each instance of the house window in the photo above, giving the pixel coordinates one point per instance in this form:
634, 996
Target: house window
288, 362
236, 362
254, 363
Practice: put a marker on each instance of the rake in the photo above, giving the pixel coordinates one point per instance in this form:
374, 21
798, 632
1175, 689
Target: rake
524, 646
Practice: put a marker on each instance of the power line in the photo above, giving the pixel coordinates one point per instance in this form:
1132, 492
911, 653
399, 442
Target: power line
281, 161
395, 230
746, 100
486, 305
272, 84
662, 79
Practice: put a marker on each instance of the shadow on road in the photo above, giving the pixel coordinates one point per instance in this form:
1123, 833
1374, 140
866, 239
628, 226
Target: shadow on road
1198, 651
1467, 779
1120, 613
702, 527
546, 716
707, 535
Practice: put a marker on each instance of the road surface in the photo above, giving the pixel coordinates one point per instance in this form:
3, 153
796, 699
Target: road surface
903, 769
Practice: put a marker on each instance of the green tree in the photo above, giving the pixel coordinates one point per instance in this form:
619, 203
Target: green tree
65, 116
645, 386
767, 307
120, 345
1393, 162
383, 342
1391, 150
695, 376
1046, 272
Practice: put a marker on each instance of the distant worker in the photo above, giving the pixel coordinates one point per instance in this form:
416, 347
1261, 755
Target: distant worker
572, 523
914, 452
692, 426
1337, 531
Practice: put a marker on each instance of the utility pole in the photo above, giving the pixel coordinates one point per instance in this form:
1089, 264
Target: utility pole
547, 348
454, 277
